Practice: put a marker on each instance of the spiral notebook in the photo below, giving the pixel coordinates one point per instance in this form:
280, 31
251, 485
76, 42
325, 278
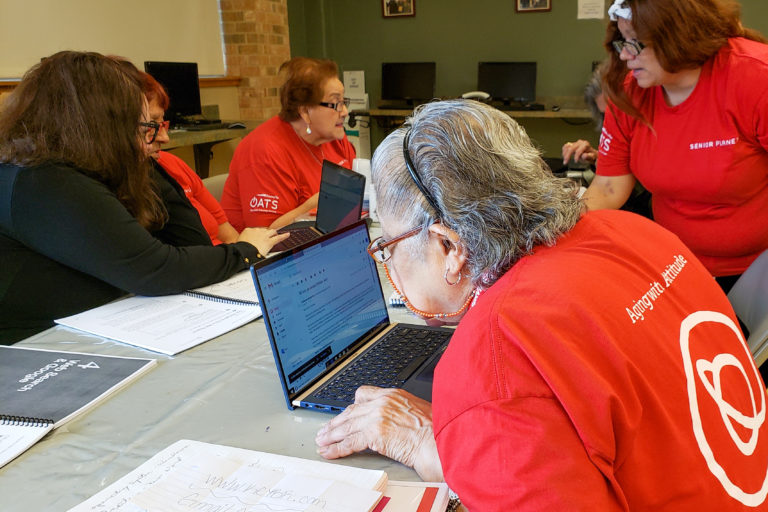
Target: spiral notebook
43, 389
173, 323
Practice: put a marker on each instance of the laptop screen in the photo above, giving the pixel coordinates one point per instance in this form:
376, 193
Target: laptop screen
319, 303
341, 197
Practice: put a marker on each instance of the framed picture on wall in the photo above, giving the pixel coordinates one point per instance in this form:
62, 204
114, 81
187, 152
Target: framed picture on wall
397, 8
533, 5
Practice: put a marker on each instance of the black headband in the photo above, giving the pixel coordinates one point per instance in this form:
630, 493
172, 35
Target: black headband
416, 178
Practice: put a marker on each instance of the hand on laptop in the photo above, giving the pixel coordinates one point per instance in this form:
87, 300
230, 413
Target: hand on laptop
261, 238
391, 422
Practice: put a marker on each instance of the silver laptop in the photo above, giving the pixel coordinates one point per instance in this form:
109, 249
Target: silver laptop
327, 322
339, 203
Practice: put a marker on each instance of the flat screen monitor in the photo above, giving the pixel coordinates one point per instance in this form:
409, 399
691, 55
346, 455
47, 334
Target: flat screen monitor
508, 81
182, 84
408, 81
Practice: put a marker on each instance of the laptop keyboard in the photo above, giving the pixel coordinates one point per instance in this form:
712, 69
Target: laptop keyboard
298, 237
387, 364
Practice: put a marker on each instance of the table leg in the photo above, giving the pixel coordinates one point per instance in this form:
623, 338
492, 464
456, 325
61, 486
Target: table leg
202, 153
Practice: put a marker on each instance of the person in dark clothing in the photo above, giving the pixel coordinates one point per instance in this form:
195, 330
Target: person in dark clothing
84, 217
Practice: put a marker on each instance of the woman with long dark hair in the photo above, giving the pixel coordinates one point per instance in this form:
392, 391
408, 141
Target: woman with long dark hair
82, 221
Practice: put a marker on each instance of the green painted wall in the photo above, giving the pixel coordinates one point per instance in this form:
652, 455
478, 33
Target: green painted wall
457, 35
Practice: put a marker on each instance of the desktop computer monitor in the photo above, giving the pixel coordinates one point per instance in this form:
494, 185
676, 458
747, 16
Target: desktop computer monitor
182, 84
508, 81
408, 82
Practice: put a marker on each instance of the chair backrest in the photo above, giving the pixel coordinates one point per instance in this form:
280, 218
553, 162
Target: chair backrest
215, 185
749, 298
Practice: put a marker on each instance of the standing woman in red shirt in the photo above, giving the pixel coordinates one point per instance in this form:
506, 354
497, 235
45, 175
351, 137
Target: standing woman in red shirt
275, 171
688, 87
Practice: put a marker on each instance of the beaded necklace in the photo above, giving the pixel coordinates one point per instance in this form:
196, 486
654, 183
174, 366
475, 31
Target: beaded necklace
424, 314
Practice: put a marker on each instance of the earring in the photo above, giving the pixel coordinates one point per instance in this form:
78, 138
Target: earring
309, 130
445, 276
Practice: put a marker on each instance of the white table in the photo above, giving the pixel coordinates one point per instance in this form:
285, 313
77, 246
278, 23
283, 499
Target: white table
224, 391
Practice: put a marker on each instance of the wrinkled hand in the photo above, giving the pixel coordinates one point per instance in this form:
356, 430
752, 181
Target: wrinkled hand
391, 422
262, 238
579, 151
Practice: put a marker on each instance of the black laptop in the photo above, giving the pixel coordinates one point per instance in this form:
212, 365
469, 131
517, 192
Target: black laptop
327, 322
339, 203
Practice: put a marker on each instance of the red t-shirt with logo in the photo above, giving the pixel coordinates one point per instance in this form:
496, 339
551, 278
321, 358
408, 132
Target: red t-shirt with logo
273, 171
209, 209
604, 373
706, 160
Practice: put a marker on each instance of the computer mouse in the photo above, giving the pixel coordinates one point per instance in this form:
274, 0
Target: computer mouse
555, 108
235, 125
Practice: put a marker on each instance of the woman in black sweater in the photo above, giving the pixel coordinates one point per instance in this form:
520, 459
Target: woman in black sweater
84, 217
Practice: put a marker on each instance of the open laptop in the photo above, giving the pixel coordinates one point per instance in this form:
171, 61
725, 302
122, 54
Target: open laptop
326, 317
339, 203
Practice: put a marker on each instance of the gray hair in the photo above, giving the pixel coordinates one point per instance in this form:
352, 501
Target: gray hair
485, 175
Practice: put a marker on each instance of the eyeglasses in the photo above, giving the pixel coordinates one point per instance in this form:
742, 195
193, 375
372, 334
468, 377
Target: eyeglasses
339, 106
153, 128
380, 249
633, 46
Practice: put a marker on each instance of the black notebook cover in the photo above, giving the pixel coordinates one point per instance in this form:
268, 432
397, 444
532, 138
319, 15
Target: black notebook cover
54, 386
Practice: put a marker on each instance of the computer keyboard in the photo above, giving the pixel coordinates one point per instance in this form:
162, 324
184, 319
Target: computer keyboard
201, 126
298, 237
522, 108
387, 364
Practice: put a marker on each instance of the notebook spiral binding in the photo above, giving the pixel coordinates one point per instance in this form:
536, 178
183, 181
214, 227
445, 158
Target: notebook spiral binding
21, 421
216, 298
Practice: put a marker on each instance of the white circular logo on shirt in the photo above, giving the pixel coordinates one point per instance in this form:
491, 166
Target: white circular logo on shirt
709, 373
263, 203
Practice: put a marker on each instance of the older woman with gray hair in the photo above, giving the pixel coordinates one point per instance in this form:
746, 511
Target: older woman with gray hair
569, 382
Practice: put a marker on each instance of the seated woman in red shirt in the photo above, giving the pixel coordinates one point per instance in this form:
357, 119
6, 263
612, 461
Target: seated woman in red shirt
275, 171
596, 364
211, 213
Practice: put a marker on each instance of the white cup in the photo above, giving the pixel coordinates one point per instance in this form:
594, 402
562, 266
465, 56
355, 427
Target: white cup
363, 166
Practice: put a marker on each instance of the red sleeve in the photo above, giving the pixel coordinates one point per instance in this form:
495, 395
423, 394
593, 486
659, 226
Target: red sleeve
230, 200
531, 459
197, 191
614, 147
750, 89
188, 178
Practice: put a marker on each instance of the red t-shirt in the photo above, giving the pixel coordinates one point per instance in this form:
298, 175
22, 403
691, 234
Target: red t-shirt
599, 375
273, 171
705, 162
209, 209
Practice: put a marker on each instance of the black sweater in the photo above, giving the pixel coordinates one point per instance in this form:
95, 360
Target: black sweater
67, 244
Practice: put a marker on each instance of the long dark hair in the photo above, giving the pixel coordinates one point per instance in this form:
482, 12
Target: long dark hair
684, 34
82, 109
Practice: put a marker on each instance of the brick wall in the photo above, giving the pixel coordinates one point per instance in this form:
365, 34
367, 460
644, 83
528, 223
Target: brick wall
255, 44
